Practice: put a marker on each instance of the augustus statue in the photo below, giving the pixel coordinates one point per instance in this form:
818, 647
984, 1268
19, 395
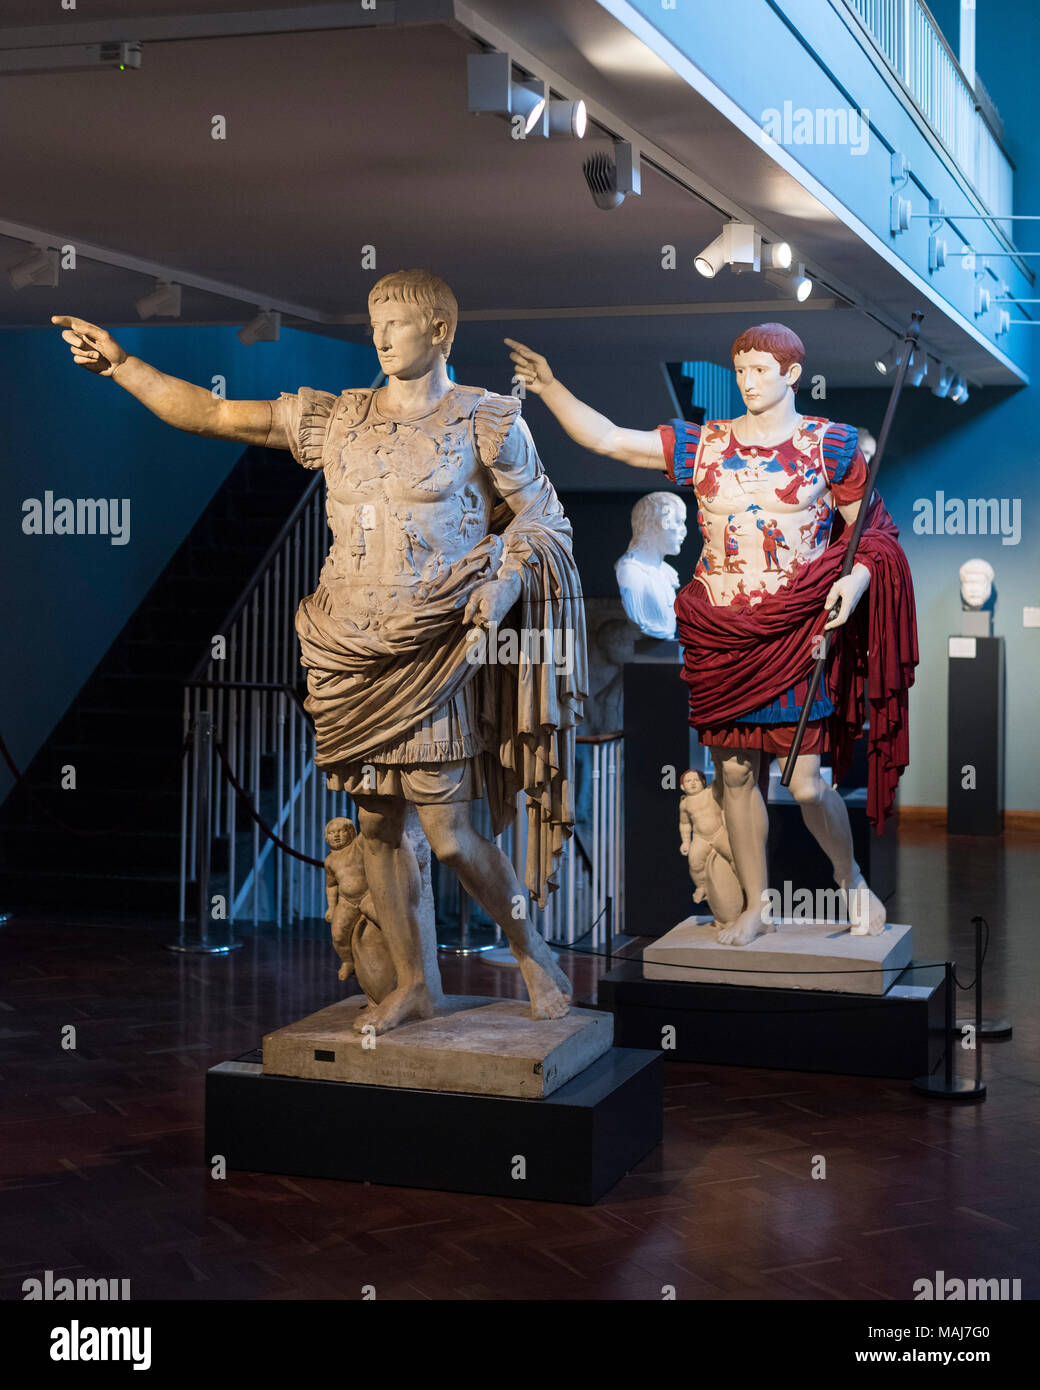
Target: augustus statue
445, 528
777, 493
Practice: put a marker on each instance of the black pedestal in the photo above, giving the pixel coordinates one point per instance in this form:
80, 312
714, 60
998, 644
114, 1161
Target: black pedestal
975, 740
657, 737
575, 1144
791, 1029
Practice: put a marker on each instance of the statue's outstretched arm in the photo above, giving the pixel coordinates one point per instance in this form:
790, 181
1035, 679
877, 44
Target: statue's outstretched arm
176, 402
638, 448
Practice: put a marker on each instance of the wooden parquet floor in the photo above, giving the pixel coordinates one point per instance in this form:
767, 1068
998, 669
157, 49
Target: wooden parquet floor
104, 1174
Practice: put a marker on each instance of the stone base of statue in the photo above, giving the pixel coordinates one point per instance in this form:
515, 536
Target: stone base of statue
572, 1145
480, 1046
805, 998
798, 954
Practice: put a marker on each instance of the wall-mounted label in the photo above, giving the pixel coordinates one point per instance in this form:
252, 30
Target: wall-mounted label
1031, 617
962, 646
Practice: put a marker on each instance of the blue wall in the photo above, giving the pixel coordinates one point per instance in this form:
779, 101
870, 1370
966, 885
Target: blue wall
67, 597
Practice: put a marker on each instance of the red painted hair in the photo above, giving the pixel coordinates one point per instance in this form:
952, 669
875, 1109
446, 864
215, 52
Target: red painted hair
774, 338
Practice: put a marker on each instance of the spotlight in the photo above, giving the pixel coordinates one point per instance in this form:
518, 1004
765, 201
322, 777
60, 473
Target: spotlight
612, 177
38, 268
528, 100
917, 373
163, 302
943, 382
890, 360
1003, 322
780, 255
712, 258
737, 245
491, 88
265, 328
958, 391
568, 118
795, 283
982, 300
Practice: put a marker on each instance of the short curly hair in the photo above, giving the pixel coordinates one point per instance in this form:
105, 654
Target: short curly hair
423, 288
775, 338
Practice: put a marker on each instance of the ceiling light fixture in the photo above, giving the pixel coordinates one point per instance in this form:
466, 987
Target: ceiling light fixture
491, 89
569, 119
40, 267
943, 382
265, 328
164, 301
611, 178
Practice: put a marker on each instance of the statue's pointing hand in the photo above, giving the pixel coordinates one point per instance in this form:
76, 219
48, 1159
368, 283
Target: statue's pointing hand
531, 367
91, 346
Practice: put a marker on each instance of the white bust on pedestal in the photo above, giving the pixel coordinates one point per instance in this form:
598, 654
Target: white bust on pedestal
647, 582
976, 578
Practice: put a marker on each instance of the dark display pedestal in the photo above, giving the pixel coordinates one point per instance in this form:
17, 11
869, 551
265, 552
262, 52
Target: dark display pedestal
975, 737
657, 736
575, 1144
789, 1029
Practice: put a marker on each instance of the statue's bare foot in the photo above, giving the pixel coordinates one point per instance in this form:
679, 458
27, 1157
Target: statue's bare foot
866, 910
743, 930
402, 1005
548, 988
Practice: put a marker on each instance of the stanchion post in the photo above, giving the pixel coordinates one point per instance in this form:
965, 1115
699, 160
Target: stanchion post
202, 734
951, 1087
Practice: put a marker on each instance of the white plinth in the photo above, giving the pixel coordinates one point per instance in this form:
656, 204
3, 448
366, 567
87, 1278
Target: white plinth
796, 955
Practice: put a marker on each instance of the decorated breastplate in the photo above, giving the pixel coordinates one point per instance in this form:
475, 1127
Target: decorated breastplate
405, 500
763, 512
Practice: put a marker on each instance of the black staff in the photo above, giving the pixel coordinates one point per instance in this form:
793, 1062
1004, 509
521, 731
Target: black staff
909, 343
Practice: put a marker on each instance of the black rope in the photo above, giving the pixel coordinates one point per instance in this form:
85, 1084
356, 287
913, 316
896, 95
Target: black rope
255, 815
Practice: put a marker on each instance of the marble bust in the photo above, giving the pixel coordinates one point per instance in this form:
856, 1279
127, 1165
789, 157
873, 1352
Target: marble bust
976, 578
647, 582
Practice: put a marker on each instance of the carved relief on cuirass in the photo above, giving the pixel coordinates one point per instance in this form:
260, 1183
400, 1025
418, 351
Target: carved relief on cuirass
406, 499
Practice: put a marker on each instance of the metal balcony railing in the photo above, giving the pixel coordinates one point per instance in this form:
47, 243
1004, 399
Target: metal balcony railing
907, 36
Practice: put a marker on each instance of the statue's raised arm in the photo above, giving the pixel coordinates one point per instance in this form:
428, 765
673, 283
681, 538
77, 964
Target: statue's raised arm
637, 448
176, 402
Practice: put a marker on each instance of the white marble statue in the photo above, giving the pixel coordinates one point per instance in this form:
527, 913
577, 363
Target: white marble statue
445, 527
976, 578
647, 582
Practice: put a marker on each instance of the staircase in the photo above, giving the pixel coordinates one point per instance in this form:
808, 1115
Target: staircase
123, 731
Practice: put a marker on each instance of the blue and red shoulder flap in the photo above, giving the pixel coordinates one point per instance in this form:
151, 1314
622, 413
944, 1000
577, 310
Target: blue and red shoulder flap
844, 463
679, 441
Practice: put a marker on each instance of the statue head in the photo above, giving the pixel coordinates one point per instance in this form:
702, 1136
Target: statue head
659, 523
767, 360
413, 315
693, 780
339, 832
976, 583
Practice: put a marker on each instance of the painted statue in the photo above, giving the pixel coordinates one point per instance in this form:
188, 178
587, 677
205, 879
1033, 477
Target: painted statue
777, 493
646, 580
444, 527
704, 844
